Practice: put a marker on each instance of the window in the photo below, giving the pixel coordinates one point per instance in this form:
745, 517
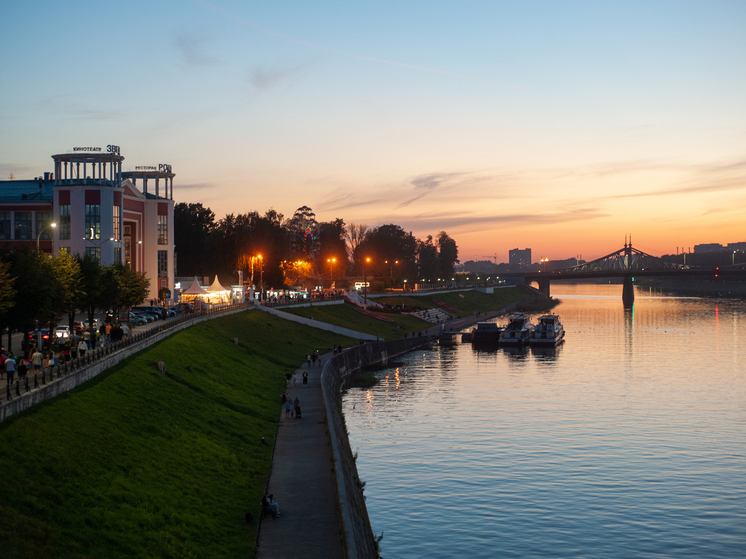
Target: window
117, 223
23, 226
162, 229
94, 252
43, 219
64, 223
128, 251
5, 226
92, 221
162, 263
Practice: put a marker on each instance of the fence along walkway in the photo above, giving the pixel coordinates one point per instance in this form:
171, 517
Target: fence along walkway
23, 393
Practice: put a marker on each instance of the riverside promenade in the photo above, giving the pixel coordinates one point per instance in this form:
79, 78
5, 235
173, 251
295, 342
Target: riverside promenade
303, 481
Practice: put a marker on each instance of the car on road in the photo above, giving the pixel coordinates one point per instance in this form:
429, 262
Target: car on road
62, 332
78, 325
95, 324
33, 337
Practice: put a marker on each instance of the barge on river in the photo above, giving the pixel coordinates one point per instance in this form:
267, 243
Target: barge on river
486, 333
518, 331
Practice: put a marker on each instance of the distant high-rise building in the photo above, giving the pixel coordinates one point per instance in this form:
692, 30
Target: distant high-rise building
737, 246
709, 247
520, 257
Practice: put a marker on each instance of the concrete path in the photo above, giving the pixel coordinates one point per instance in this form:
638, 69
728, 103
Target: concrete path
303, 483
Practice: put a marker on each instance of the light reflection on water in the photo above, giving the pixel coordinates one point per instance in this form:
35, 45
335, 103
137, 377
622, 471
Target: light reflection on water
627, 441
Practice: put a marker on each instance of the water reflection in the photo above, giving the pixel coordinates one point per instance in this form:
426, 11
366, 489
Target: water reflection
626, 440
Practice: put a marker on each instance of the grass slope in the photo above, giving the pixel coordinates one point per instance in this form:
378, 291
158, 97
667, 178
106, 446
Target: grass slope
468, 302
140, 464
347, 317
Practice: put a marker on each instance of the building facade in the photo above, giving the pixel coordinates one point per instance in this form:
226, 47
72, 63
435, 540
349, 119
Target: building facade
97, 210
520, 257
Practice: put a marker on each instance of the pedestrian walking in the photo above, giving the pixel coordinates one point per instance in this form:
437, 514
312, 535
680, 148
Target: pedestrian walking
296, 407
295, 379
287, 379
10, 368
82, 348
308, 359
305, 379
22, 368
287, 409
36, 359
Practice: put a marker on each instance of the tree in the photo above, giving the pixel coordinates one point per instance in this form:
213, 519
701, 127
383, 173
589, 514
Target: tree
355, 235
68, 278
333, 246
193, 225
132, 286
7, 295
392, 252
447, 255
92, 286
427, 260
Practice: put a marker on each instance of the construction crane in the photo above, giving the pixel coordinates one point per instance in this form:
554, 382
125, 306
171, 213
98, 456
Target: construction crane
494, 256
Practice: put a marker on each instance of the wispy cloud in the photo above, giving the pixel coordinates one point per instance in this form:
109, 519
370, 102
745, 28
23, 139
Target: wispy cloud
424, 184
192, 46
262, 78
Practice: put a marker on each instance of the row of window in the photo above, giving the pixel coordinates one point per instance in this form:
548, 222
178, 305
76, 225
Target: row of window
24, 231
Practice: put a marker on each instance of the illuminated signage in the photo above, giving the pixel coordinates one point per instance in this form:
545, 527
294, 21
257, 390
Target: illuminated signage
109, 149
86, 149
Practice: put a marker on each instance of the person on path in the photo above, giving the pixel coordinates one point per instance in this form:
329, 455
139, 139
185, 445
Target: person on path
296, 406
313, 359
308, 359
82, 348
287, 409
305, 379
10, 368
36, 359
22, 368
295, 379
270, 502
287, 379
45, 362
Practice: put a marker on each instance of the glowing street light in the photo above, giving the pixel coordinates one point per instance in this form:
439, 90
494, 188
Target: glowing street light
365, 281
545, 261
331, 262
38, 237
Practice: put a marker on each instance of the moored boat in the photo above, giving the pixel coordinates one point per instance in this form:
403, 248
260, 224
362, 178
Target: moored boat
486, 332
518, 330
548, 332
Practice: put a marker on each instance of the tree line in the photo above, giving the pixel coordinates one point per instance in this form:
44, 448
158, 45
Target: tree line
305, 253
39, 291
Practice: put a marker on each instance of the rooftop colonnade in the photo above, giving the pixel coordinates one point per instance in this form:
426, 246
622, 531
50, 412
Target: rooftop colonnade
96, 210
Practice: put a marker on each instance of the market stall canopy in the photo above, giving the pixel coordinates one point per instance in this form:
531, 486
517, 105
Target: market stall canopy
195, 289
216, 287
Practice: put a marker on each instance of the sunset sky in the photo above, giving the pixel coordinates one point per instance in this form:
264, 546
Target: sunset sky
560, 126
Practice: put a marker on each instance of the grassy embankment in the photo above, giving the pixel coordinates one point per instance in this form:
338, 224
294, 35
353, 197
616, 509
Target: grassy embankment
140, 464
347, 317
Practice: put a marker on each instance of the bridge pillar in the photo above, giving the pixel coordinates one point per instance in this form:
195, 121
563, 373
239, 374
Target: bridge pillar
628, 292
544, 285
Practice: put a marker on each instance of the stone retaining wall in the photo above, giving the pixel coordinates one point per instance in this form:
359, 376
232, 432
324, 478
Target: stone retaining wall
358, 534
68, 382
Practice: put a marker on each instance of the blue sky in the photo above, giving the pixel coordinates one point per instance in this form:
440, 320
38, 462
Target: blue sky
556, 125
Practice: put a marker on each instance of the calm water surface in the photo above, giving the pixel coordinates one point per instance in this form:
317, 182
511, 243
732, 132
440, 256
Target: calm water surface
627, 441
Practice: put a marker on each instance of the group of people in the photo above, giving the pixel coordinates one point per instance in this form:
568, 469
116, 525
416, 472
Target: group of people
313, 357
33, 361
292, 408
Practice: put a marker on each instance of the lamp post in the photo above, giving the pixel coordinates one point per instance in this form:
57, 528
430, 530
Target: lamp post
261, 276
365, 281
38, 237
733, 259
331, 262
545, 261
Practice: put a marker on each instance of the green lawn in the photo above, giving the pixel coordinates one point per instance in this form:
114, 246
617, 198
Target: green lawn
140, 464
347, 317
468, 302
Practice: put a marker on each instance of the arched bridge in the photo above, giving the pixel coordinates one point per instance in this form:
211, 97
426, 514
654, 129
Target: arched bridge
627, 263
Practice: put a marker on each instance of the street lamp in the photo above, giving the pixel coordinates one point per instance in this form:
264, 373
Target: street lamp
545, 261
331, 262
261, 276
733, 259
38, 237
365, 281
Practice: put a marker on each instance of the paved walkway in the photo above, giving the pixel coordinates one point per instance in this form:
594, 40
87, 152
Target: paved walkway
302, 480
303, 483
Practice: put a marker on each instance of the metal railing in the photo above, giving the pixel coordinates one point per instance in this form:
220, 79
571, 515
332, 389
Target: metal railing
289, 302
49, 374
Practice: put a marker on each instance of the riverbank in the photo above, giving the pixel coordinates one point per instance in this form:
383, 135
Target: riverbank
140, 463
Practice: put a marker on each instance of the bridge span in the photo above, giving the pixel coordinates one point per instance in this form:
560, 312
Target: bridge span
627, 263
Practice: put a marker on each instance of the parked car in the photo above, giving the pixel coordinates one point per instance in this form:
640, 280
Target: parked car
176, 309
62, 332
137, 319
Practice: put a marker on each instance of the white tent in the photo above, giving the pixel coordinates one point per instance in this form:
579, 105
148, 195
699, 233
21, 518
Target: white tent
216, 287
195, 289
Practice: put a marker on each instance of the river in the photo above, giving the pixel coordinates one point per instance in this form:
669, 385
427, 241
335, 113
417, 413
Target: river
627, 441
